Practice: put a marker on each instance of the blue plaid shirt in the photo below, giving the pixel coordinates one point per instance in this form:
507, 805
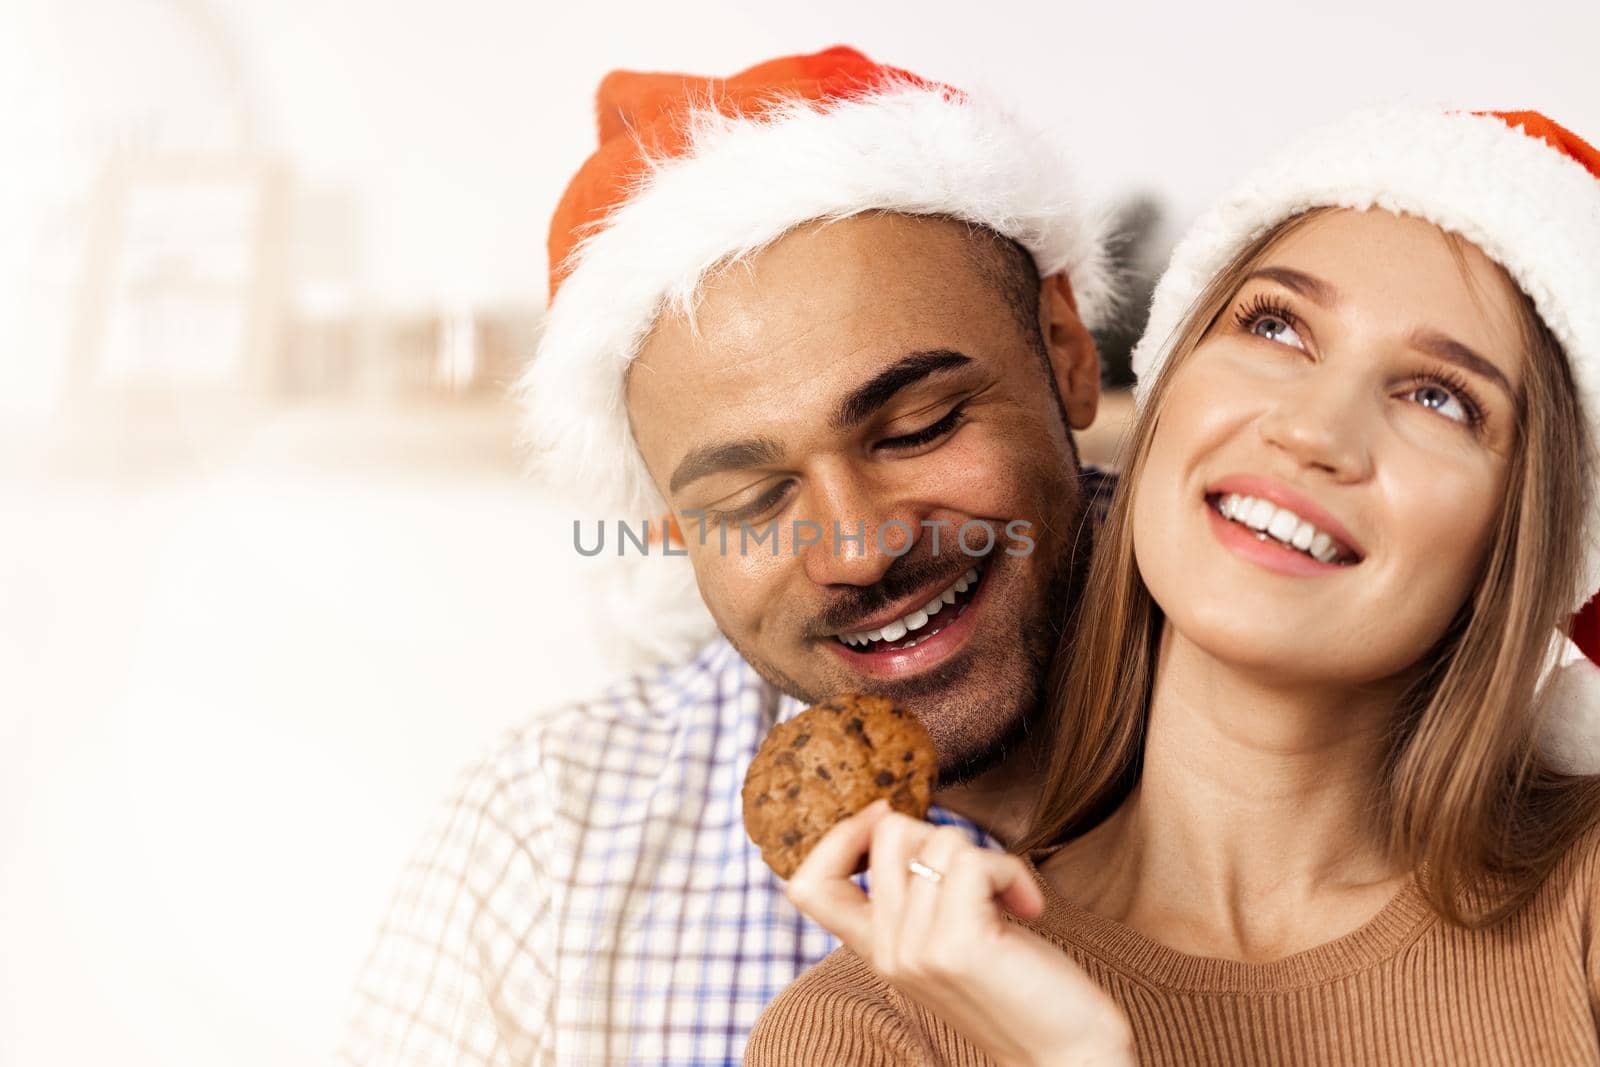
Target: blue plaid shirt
590, 896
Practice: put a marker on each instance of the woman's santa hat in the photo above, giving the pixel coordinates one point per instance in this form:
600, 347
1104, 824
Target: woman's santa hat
693, 173
1523, 189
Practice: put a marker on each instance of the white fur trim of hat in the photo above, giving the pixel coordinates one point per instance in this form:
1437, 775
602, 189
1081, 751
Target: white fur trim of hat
742, 183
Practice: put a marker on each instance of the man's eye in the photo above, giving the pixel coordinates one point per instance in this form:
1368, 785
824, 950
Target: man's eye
753, 510
928, 433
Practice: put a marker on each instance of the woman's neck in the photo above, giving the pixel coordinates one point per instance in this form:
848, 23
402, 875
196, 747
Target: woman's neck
1250, 834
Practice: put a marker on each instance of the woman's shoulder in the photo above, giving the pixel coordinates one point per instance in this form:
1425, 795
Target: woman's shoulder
1572, 882
840, 1011
1581, 863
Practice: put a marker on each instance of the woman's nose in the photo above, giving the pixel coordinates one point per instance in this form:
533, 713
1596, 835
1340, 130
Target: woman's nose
1325, 424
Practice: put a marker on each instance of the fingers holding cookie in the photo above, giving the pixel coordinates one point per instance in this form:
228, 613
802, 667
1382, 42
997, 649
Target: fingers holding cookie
829, 762
824, 885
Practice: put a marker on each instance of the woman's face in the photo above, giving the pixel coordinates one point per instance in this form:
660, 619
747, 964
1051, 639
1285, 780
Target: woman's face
1330, 461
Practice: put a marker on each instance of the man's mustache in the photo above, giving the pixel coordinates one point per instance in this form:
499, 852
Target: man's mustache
904, 577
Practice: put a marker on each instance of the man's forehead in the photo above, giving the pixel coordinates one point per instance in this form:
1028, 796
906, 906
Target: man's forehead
830, 291
780, 340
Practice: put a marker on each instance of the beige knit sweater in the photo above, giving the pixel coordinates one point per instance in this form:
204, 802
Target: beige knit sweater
1406, 988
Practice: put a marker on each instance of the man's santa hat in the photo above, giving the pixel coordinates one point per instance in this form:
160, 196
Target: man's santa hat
1523, 189
693, 173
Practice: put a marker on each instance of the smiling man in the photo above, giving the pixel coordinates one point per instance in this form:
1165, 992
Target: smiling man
833, 320
878, 397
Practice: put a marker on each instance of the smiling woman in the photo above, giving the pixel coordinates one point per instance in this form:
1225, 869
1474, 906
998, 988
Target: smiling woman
1277, 415
1297, 808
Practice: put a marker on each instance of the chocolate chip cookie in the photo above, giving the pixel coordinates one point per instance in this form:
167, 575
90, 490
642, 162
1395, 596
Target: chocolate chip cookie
829, 762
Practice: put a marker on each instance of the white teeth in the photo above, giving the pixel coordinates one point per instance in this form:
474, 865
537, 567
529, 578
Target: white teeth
1281, 524
919, 618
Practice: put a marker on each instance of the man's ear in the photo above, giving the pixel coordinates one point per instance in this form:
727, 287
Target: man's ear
1074, 360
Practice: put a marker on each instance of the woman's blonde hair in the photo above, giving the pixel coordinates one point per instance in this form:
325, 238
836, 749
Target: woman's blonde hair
1468, 803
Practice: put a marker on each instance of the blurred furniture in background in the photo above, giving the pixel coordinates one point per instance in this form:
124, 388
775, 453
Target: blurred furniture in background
448, 351
214, 278
1102, 444
184, 282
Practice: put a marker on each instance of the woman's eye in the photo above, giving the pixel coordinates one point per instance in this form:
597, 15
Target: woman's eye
1436, 397
1275, 329
1270, 319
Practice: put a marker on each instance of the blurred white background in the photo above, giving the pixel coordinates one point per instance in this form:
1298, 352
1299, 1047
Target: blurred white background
268, 574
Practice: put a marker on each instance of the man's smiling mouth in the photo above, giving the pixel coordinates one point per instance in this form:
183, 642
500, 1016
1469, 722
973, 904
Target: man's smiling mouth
919, 625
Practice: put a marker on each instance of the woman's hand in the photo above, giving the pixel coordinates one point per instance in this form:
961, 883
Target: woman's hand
942, 938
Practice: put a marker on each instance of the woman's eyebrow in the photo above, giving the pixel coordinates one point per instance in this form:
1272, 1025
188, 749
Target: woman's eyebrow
1435, 344
1452, 351
1313, 289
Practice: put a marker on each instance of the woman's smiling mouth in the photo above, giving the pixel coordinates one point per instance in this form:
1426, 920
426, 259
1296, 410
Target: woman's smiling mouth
1267, 519
1278, 527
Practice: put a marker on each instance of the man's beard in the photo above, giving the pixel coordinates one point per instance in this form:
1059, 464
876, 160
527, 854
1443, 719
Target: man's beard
1043, 639
1042, 636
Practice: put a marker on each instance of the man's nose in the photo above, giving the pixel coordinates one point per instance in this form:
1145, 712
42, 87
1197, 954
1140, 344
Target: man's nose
863, 530
1324, 422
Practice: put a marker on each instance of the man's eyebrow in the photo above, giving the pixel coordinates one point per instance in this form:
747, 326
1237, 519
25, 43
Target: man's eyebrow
731, 455
1314, 289
871, 395
1452, 351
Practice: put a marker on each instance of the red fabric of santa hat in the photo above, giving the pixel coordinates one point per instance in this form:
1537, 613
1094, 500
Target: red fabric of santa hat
693, 173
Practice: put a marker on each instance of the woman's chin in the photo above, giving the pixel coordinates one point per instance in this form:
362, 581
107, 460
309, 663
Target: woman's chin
1274, 642
1285, 648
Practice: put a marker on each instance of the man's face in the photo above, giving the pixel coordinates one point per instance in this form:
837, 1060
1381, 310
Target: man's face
871, 373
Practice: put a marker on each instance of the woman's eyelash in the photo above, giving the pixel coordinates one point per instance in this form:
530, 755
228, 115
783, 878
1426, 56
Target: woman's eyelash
928, 433
1262, 306
1454, 381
